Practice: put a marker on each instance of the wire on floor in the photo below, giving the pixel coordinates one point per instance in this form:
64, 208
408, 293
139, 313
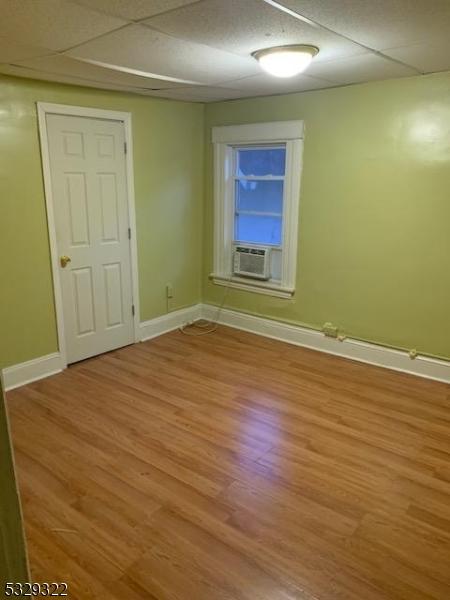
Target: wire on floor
205, 326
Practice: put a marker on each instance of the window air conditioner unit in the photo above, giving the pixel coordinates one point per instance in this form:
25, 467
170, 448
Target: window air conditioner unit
249, 261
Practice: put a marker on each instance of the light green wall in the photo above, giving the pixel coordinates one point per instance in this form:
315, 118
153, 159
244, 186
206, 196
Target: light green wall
374, 238
168, 152
13, 562
374, 248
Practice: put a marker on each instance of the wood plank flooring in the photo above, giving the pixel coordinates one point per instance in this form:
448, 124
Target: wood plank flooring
233, 467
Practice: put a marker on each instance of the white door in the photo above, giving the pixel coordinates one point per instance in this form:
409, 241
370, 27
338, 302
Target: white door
89, 191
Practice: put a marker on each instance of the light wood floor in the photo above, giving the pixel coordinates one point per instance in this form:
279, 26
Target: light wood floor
230, 466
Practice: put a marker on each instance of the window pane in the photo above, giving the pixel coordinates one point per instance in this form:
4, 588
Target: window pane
261, 196
258, 229
264, 161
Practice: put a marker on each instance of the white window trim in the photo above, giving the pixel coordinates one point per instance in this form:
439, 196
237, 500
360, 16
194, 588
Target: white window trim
224, 138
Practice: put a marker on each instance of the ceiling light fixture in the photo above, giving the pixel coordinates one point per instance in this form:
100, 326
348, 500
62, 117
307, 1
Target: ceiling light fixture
286, 61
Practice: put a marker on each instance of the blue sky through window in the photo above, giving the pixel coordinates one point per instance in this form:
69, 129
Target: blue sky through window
261, 161
259, 200
258, 229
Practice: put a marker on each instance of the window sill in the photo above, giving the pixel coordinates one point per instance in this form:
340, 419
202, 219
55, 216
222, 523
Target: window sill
259, 287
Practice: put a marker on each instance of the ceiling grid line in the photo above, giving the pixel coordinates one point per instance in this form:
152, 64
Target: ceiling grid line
297, 15
201, 50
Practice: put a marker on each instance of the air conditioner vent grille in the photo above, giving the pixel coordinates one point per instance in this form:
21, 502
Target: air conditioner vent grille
252, 262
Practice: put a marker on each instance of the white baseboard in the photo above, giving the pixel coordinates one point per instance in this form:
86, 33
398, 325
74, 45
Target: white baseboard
373, 354
44, 366
397, 360
169, 322
32, 370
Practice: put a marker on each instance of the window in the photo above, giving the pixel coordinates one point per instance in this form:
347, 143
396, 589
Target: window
257, 188
258, 194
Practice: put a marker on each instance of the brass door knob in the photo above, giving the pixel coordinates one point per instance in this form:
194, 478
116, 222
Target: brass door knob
64, 260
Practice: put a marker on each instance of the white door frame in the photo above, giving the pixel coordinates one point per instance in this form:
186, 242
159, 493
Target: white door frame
44, 109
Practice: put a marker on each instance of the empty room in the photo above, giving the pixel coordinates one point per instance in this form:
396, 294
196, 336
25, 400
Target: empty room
225, 299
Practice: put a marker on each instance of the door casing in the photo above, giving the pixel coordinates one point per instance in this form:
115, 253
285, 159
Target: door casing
44, 109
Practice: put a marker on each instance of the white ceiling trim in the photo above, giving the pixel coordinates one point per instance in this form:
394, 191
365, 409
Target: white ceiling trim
297, 15
131, 71
30, 72
134, 11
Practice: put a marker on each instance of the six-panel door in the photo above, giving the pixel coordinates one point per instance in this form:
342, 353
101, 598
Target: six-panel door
88, 172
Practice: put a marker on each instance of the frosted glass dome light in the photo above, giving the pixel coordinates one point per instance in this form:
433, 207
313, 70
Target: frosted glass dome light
285, 61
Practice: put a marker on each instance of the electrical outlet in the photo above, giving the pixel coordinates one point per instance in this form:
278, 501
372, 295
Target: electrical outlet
169, 290
330, 330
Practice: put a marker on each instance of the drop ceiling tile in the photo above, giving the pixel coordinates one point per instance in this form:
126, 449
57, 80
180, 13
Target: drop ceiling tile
242, 26
379, 23
11, 51
358, 69
427, 57
65, 65
19, 71
141, 48
199, 94
262, 85
133, 9
54, 24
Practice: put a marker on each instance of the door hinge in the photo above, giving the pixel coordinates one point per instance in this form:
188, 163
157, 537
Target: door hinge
132, 310
129, 233
125, 147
